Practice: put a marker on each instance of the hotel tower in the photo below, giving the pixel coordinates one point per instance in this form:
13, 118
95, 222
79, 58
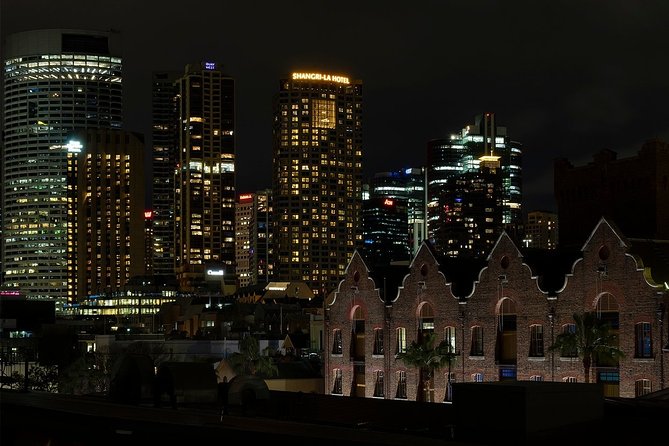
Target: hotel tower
317, 177
55, 81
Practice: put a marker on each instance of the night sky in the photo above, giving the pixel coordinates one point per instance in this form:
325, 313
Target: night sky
567, 78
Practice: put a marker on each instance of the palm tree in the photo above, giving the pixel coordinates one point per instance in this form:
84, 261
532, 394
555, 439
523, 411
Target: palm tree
592, 340
428, 359
250, 360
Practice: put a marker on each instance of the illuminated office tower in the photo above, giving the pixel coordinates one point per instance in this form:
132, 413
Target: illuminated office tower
474, 188
385, 231
317, 178
408, 185
106, 204
254, 238
205, 176
55, 81
165, 152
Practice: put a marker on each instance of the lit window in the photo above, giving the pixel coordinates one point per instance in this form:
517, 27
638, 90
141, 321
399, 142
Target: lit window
642, 387
401, 340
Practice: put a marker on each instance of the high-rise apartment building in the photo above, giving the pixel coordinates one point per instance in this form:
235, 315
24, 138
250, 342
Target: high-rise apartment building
474, 188
254, 238
541, 230
632, 192
55, 81
317, 179
205, 176
106, 239
165, 123
407, 185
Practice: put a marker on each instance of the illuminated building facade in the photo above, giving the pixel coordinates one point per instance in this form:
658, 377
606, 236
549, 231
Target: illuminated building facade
500, 315
165, 152
106, 204
541, 230
408, 185
317, 179
148, 242
55, 81
385, 230
634, 191
205, 176
254, 245
474, 188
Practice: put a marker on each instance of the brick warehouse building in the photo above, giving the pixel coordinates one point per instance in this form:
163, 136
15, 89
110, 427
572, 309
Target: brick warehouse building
500, 316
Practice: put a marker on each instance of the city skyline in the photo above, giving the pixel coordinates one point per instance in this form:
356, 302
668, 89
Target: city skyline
565, 81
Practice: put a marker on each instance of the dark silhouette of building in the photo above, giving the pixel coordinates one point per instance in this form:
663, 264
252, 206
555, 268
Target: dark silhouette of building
632, 191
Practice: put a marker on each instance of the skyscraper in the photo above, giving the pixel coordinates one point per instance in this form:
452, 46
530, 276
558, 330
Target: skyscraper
474, 188
165, 153
254, 238
55, 81
408, 185
205, 176
385, 231
106, 203
317, 179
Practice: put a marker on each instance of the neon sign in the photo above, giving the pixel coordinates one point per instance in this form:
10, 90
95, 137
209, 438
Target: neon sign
320, 77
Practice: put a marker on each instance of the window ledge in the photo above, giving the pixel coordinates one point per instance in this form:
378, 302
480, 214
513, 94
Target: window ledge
536, 358
477, 358
640, 359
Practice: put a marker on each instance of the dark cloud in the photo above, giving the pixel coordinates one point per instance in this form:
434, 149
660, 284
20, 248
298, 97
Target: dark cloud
566, 78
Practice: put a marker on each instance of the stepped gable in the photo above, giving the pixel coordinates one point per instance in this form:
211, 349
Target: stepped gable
550, 267
388, 279
462, 273
653, 256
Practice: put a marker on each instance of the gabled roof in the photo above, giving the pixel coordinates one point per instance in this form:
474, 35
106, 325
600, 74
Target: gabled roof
654, 255
388, 279
461, 273
551, 267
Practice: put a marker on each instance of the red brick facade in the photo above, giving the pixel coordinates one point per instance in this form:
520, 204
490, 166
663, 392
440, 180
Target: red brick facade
507, 303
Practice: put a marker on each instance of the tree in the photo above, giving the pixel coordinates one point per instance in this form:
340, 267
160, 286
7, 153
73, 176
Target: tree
251, 361
592, 340
428, 359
